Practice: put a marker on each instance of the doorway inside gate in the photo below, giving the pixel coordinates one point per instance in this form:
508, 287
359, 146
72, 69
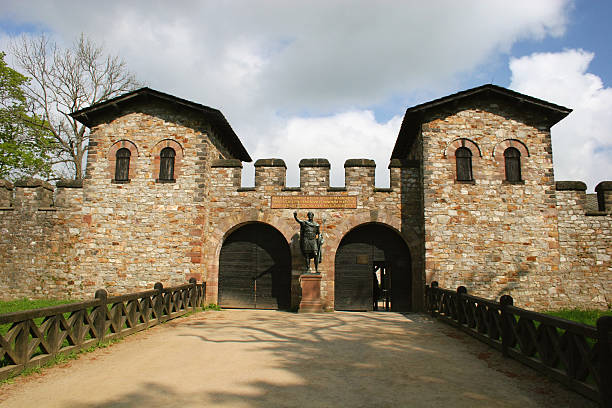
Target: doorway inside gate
372, 270
255, 269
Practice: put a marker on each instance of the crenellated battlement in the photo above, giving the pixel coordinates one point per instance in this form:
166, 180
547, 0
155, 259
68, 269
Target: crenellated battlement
572, 198
585, 241
31, 194
42, 226
314, 174
604, 196
6, 194
271, 174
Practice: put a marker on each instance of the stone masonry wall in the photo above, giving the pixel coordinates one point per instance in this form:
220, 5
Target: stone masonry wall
38, 240
232, 206
585, 240
147, 231
490, 235
531, 239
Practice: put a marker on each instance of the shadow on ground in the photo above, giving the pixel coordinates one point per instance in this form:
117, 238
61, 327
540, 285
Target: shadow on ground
346, 359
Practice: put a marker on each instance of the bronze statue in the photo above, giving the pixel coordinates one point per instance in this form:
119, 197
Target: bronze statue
311, 240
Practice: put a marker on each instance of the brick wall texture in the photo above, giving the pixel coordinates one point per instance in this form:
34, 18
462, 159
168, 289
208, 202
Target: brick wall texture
530, 239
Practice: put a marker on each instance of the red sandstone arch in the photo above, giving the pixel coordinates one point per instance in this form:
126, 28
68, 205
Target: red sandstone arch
498, 157
178, 159
254, 268
390, 227
452, 147
362, 249
111, 156
498, 150
474, 160
225, 227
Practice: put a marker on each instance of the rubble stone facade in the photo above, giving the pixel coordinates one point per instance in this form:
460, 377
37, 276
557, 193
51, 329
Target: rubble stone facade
585, 245
489, 234
532, 238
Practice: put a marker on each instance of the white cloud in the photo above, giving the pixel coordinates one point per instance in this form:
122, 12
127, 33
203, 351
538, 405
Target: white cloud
354, 134
582, 142
283, 72
317, 56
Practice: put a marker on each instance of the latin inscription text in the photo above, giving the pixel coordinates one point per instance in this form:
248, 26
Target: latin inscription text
313, 202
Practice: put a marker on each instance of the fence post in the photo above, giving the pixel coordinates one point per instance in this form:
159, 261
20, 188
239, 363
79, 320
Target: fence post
159, 301
604, 327
22, 341
100, 321
193, 293
506, 332
203, 294
459, 304
432, 297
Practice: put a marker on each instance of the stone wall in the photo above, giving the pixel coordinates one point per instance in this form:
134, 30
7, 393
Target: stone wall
488, 234
232, 206
119, 235
529, 239
585, 240
147, 231
39, 236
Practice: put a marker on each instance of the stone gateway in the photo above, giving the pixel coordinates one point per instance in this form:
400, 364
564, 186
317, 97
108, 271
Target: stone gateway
472, 201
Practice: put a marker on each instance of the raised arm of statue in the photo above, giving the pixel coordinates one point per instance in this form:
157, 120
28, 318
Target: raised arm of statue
296, 217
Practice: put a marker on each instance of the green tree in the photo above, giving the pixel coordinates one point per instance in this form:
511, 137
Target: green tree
65, 80
25, 142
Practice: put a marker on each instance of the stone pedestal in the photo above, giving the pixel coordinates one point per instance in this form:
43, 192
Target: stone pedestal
311, 293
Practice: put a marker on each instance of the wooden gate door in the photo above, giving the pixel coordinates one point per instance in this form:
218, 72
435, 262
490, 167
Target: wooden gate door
255, 269
354, 278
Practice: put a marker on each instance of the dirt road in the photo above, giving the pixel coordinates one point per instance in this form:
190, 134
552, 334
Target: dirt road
247, 359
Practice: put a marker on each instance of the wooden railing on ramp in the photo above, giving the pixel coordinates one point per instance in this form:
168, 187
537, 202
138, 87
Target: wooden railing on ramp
575, 354
37, 336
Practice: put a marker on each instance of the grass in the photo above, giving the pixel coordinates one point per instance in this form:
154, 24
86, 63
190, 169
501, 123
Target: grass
581, 316
25, 304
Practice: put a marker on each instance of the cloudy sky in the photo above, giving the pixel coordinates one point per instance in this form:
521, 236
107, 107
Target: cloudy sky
333, 78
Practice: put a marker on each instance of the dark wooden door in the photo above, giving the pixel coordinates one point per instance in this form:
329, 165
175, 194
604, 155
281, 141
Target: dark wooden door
255, 269
354, 280
354, 268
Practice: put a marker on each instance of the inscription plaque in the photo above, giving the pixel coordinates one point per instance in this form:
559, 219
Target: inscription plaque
300, 202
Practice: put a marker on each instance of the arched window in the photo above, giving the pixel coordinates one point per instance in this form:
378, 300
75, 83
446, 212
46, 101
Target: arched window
166, 164
463, 157
513, 164
122, 165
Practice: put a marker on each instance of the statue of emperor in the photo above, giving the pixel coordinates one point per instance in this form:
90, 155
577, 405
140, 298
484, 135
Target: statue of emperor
311, 240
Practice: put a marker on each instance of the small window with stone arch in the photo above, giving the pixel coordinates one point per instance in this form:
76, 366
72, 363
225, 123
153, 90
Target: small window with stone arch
166, 164
463, 157
122, 165
512, 159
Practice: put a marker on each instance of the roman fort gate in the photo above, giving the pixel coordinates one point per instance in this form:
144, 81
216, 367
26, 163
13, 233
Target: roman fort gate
472, 201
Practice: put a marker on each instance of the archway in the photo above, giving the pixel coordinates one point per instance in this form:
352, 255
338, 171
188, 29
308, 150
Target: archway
255, 269
370, 257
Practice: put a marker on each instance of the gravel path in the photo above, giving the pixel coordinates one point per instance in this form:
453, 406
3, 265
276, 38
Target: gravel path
248, 358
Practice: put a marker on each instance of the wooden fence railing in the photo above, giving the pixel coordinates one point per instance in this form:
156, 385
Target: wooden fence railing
36, 336
575, 354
